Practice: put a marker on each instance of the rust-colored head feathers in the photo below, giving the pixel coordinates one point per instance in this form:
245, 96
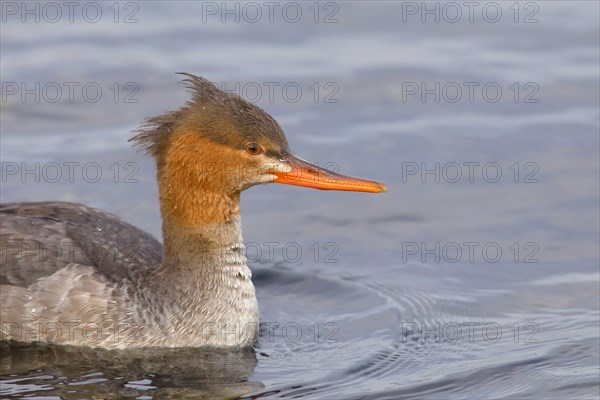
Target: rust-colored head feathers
218, 143
220, 117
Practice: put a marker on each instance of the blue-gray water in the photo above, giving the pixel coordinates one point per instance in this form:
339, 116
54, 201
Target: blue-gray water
459, 282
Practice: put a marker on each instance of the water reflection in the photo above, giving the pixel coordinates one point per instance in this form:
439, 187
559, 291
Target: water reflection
92, 373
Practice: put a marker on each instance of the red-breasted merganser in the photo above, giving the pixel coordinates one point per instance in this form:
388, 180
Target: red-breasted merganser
196, 289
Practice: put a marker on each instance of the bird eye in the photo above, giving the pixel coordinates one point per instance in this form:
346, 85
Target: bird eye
253, 149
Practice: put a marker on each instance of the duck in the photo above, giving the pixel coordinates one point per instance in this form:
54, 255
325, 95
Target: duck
75, 275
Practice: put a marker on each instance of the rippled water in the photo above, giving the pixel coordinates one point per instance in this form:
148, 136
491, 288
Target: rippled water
444, 287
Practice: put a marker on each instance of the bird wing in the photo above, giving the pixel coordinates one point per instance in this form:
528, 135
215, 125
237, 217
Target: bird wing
40, 239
